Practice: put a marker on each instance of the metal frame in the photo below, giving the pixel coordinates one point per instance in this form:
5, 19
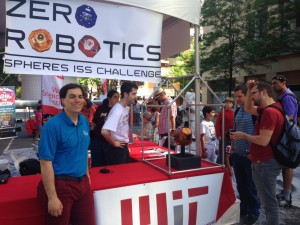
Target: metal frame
197, 79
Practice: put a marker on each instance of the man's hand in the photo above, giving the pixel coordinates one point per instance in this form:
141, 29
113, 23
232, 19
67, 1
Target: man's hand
250, 84
55, 207
238, 135
119, 144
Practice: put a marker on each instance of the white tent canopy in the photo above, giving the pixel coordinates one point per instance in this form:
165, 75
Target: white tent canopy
178, 14
187, 10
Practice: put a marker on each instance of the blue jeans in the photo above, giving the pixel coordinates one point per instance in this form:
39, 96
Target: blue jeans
264, 176
250, 203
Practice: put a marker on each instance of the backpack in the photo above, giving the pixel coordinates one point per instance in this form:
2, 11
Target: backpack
30, 167
287, 151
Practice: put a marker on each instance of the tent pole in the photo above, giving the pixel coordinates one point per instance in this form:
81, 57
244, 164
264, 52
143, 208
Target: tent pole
197, 90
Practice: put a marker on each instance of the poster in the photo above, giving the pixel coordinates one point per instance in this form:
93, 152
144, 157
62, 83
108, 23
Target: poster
7, 112
83, 39
50, 94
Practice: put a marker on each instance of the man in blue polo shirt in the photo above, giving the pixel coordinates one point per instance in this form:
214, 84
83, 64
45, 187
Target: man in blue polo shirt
65, 187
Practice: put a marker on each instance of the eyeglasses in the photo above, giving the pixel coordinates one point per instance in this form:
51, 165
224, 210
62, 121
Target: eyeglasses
253, 93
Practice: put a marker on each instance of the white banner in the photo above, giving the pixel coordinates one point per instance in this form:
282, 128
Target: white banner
50, 94
192, 200
83, 39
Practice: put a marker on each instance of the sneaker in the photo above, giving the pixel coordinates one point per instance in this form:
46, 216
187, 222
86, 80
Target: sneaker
251, 220
285, 203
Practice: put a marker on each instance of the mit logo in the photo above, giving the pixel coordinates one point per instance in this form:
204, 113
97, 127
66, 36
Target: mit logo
162, 210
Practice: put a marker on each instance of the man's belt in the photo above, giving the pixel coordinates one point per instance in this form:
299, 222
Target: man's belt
69, 178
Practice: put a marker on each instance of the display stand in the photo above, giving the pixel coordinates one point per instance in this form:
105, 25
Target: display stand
197, 79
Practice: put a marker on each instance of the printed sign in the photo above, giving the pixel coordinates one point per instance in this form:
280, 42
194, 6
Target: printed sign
50, 94
7, 112
192, 200
82, 39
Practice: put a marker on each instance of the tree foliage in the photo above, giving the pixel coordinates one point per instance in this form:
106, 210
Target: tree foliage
242, 33
91, 83
184, 65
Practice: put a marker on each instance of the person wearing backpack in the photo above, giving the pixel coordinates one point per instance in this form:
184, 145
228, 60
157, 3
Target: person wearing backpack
265, 167
289, 104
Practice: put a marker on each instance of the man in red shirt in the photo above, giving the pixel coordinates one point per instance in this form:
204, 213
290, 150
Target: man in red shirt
265, 167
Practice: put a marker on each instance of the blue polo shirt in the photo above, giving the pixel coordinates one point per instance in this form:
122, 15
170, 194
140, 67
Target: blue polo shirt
65, 144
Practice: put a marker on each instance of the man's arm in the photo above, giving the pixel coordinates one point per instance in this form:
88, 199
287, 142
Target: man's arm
262, 139
55, 206
173, 123
203, 147
88, 171
249, 105
106, 134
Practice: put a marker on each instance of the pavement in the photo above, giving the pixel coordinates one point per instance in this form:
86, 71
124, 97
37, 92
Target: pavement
288, 215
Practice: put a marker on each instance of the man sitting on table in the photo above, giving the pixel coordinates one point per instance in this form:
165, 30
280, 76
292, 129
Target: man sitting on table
65, 187
116, 128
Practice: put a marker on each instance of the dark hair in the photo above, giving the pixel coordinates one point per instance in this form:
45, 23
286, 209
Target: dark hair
265, 86
242, 88
109, 95
127, 87
38, 107
207, 109
63, 91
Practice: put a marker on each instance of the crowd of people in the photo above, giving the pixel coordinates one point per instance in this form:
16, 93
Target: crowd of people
244, 145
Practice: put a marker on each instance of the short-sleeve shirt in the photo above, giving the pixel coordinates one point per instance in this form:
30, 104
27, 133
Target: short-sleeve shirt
38, 118
289, 104
117, 123
208, 128
99, 119
65, 144
244, 123
228, 121
163, 116
270, 119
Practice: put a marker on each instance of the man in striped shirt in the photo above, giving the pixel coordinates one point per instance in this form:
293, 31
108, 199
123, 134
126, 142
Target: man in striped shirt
243, 121
161, 97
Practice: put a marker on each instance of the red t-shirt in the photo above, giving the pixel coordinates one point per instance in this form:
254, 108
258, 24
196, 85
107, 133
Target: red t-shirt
228, 121
270, 119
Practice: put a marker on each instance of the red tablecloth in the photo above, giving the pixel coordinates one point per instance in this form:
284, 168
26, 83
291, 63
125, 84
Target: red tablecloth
19, 205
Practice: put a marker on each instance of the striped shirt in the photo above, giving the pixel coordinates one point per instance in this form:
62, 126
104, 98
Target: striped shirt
163, 116
243, 122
